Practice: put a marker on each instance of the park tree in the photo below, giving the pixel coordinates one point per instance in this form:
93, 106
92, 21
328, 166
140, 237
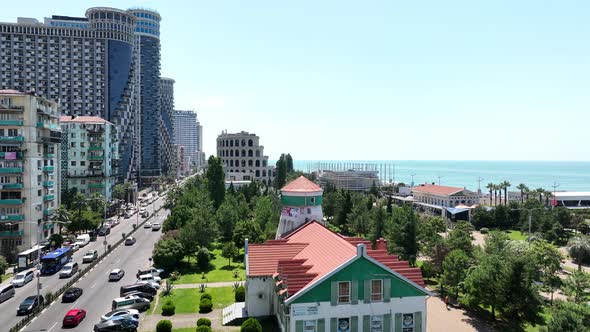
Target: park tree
482, 218
455, 267
577, 287
496, 243
247, 229
401, 233
227, 217
97, 203
374, 191
547, 260
289, 163
484, 282
521, 300
343, 209
215, 181
378, 217
460, 237
178, 218
3, 265
266, 217
569, 316
229, 251
358, 220
167, 254
579, 248
281, 176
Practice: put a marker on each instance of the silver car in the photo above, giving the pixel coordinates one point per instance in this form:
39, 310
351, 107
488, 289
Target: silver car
22, 278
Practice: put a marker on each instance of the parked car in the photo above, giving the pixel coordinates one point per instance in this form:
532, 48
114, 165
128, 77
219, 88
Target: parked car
7, 291
93, 234
156, 226
83, 240
149, 278
130, 241
90, 256
113, 223
152, 284
146, 296
131, 302
104, 231
72, 294
74, 246
152, 271
116, 275
29, 304
119, 325
118, 313
139, 287
147, 225
69, 270
22, 278
74, 317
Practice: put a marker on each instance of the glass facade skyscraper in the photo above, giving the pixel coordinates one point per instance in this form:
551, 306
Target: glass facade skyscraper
167, 126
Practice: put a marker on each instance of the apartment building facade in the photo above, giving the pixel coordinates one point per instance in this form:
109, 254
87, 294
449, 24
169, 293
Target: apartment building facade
243, 157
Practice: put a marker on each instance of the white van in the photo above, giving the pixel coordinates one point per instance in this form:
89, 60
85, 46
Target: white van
131, 302
82, 240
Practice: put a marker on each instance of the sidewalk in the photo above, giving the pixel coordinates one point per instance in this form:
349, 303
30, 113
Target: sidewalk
209, 284
455, 319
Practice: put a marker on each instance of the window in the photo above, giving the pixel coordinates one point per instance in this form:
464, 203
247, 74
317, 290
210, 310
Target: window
309, 326
376, 290
376, 323
73, 163
73, 144
408, 323
344, 292
344, 324
39, 192
82, 163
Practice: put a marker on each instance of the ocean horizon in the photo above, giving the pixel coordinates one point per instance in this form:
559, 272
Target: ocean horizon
568, 175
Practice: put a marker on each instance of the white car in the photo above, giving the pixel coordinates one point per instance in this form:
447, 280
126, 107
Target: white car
153, 271
69, 270
90, 256
22, 278
151, 283
156, 226
147, 225
118, 313
116, 275
149, 278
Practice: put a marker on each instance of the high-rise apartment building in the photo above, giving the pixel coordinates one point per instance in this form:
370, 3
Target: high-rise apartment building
188, 132
167, 126
89, 155
243, 157
29, 172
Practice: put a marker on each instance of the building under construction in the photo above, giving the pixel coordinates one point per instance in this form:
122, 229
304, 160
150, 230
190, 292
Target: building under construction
352, 176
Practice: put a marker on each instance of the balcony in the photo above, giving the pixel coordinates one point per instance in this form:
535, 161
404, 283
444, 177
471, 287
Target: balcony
47, 212
49, 155
48, 198
42, 125
11, 233
18, 139
11, 108
19, 155
48, 184
96, 158
12, 217
48, 169
96, 185
11, 122
11, 170
11, 186
13, 201
95, 148
47, 226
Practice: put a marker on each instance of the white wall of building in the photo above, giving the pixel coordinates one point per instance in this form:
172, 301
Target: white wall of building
260, 296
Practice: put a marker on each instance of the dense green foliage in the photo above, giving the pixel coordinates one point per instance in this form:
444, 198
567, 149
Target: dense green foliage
215, 181
205, 306
204, 322
168, 308
568, 316
203, 328
229, 251
3, 265
206, 296
251, 325
203, 258
167, 253
240, 294
164, 326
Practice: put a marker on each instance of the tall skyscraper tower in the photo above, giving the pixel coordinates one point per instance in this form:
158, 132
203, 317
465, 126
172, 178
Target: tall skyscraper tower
167, 125
90, 64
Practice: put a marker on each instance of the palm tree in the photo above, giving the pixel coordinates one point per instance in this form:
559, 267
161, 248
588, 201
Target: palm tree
522, 187
61, 215
579, 247
505, 184
80, 204
496, 188
490, 187
547, 195
539, 191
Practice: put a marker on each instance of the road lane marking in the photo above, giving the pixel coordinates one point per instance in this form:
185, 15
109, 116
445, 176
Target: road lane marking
73, 305
93, 285
52, 326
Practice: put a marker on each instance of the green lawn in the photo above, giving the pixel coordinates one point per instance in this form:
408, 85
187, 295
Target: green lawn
187, 300
516, 235
219, 270
4, 277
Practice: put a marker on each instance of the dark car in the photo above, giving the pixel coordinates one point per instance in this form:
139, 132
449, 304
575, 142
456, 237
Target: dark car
144, 295
93, 234
143, 287
72, 294
130, 241
29, 304
104, 231
123, 325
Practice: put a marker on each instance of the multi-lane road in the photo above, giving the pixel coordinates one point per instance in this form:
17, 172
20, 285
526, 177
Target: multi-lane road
97, 291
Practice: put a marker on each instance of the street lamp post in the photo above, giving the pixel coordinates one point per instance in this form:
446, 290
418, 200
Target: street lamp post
530, 211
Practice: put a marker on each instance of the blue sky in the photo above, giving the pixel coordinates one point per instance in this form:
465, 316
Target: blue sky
402, 80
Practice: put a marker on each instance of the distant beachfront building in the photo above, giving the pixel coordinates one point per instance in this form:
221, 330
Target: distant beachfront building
355, 180
572, 199
89, 155
188, 132
444, 196
243, 157
29, 183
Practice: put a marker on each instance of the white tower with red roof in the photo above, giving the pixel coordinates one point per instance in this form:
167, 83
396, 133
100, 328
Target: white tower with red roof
302, 202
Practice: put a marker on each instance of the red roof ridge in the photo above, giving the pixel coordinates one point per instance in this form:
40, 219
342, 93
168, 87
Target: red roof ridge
437, 189
302, 185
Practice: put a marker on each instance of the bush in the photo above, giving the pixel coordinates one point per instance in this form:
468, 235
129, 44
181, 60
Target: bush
204, 321
203, 258
203, 328
205, 306
240, 295
428, 269
168, 309
164, 326
206, 296
251, 325
484, 230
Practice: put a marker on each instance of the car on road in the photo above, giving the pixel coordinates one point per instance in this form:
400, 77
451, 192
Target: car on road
90, 256
72, 294
74, 317
146, 296
143, 213
106, 230
118, 325
29, 304
131, 302
116, 275
147, 225
7, 291
139, 287
93, 234
22, 278
82, 240
130, 241
69, 270
156, 226
113, 223
152, 271
118, 313
74, 246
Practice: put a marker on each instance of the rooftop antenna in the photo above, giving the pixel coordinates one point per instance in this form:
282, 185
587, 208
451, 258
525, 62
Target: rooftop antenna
439, 177
479, 179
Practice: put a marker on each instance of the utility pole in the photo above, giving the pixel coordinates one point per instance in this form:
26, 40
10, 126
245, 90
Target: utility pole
479, 179
555, 185
412, 184
439, 177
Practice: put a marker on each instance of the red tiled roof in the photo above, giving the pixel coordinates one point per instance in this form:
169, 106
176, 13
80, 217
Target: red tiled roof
437, 190
313, 251
301, 185
83, 119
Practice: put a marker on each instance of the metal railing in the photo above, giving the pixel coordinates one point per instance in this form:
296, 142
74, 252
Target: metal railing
54, 296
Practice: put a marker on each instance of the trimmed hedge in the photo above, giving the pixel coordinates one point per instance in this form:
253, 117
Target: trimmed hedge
168, 309
240, 295
206, 296
484, 230
251, 325
204, 321
203, 328
164, 326
205, 306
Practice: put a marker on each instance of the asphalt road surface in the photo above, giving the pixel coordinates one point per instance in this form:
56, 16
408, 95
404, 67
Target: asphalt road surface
98, 291
52, 283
